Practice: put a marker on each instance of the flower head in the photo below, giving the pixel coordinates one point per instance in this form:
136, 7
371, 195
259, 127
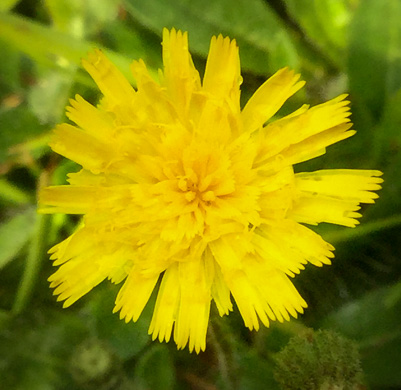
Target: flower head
179, 184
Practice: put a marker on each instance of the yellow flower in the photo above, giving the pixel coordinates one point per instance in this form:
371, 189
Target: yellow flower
179, 184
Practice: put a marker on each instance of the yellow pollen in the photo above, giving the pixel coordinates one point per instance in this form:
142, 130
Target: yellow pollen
190, 196
183, 184
208, 196
191, 190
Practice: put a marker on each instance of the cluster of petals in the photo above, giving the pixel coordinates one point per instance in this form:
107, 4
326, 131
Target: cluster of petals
184, 192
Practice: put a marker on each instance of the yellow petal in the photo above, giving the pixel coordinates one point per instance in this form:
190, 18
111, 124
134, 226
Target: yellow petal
67, 199
75, 279
346, 184
221, 292
287, 245
134, 294
229, 254
59, 253
306, 135
249, 300
95, 122
114, 86
165, 311
194, 307
222, 77
82, 148
84, 199
334, 196
269, 98
180, 76
314, 209
85, 262
88, 179
213, 116
226, 255
316, 145
152, 100
274, 288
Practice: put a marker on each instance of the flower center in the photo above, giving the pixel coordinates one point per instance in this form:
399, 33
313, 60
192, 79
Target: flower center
195, 187
191, 190
203, 174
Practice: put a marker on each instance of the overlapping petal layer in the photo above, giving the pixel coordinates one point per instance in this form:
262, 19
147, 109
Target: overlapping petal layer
180, 187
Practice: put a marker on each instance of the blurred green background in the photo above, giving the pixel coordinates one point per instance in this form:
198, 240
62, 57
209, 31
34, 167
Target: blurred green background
339, 46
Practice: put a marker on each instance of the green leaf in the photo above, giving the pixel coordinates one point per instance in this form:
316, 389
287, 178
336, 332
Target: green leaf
370, 318
386, 146
375, 53
18, 124
126, 339
14, 234
107, 12
374, 321
5, 318
42, 43
47, 99
134, 42
388, 135
255, 372
33, 262
81, 17
9, 70
325, 22
155, 369
382, 363
11, 193
53, 48
36, 349
7, 5
264, 42
342, 235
